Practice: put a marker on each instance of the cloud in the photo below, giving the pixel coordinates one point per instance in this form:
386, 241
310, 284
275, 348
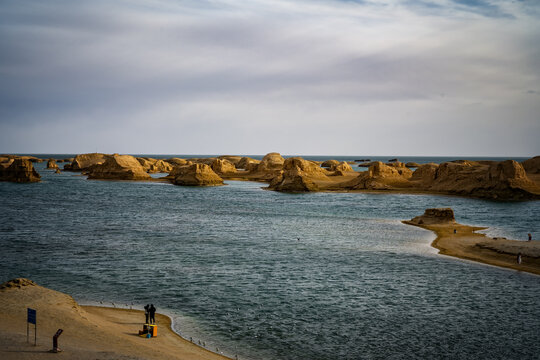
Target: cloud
111, 70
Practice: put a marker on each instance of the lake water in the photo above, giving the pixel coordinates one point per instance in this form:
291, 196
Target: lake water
267, 275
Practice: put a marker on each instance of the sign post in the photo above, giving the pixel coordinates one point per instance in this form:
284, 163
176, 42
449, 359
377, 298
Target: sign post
55, 341
31, 319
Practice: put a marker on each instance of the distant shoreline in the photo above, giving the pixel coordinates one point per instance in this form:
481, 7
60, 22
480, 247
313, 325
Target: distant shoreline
469, 245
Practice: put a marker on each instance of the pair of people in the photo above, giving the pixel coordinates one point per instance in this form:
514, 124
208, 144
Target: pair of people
150, 314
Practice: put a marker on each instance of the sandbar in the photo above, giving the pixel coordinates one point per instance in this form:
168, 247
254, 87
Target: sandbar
467, 244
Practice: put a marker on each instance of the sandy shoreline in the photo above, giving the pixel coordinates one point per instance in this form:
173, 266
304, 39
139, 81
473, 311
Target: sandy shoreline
90, 332
467, 244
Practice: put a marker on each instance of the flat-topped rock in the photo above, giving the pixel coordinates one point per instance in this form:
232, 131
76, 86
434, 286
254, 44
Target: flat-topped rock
119, 167
412, 164
83, 162
299, 175
435, 216
223, 167
381, 177
195, 175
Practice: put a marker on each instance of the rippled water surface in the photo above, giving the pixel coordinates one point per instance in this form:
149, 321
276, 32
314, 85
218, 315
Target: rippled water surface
267, 275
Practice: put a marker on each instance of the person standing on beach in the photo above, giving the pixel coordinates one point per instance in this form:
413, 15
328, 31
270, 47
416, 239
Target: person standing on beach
146, 313
152, 314
519, 258
530, 237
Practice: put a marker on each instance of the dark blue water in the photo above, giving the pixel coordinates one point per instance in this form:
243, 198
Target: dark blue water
226, 262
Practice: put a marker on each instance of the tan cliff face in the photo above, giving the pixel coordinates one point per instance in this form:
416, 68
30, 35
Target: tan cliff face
532, 165
498, 180
18, 170
425, 174
504, 180
268, 168
271, 161
195, 175
247, 163
330, 164
153, 166
223, 167
85, 161
51, 164
341, 166
299, 175
119, 167
381, 177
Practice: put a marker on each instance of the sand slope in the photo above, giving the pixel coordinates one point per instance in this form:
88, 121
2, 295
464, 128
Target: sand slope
89, 332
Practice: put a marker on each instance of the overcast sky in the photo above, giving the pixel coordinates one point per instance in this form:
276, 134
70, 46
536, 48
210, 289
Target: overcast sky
385, 77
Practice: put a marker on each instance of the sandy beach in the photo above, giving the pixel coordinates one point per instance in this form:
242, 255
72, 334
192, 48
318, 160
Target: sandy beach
89, 332
467, 244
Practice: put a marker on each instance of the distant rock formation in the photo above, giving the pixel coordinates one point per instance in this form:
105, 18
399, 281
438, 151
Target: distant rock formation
425, 174
412, 165
161, 166
329, 163
178, 162
207, 161
83, 162
499, 180
270, 166
532, 165
57, 171
153, 166
195, 175
247, 163
434, 216
341, 166
381, 177
299, 175
25, 157
18, 170
271, 161
118, 167
51, 164
223, 167
231, 158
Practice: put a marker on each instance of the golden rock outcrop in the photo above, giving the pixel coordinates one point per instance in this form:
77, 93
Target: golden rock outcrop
381, 177
223, 167
118, 167
51, 164
532, 165
299, 175
83, 162
18, 170
195, 175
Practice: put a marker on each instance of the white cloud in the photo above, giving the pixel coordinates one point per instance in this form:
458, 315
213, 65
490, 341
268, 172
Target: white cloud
314, 74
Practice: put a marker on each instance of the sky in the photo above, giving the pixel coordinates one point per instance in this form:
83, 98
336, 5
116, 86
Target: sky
307, 77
